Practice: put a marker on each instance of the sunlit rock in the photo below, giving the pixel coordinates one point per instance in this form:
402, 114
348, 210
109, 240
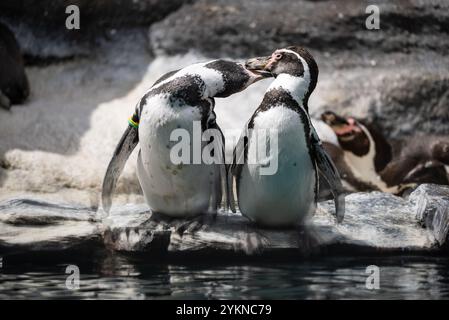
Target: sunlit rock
375, 223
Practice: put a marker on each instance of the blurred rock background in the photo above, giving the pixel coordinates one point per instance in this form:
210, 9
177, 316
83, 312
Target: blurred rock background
85, 83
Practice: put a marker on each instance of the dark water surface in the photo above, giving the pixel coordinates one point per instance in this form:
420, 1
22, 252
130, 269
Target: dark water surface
119, 277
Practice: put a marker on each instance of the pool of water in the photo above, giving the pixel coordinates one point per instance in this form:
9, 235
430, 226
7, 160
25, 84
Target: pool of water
120, 277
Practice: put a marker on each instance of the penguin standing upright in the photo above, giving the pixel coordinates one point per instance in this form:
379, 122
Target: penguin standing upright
181, 100
288, 196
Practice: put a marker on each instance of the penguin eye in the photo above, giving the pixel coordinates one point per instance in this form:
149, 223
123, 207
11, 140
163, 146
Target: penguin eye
278, 56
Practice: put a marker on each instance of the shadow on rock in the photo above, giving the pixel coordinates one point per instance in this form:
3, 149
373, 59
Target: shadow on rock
14, 88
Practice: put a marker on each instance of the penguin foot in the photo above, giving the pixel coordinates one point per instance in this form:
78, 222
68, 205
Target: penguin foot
191, 226
253, 240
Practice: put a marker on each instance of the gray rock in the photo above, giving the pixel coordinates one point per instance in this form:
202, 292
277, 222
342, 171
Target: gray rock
31, 225
244, 28
44, 38
375, 223
403, 100
432, 210
93, 12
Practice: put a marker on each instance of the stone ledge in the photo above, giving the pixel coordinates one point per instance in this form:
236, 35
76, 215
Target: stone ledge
375, 223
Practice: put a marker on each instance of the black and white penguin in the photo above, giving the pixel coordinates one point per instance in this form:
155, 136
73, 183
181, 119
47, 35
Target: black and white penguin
359, 151
368, 161
14, 86
287, 197
178, 100
423, 159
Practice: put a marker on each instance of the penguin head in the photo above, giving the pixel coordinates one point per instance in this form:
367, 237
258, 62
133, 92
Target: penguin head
236, 76
349, 132
440, 151
294, 61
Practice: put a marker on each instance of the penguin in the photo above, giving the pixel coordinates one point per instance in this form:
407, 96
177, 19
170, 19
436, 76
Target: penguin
360, 153
178, 100
423, 159
14, 86
286, 197
368, 161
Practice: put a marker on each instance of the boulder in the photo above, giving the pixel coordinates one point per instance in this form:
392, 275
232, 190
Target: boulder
375, 223
403, 101
246, 28
432, 210
42, 33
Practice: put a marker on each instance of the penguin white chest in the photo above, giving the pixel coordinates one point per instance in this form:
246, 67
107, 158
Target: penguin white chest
171, 188
286, 197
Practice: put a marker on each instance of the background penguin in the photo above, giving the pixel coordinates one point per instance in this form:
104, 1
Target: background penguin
360, 153
287, 197
14, 87
175, 101
423, 159
367, 161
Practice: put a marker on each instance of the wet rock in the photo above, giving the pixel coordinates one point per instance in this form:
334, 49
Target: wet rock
432, 210
32, 212
375, 223
14, 88
31, 225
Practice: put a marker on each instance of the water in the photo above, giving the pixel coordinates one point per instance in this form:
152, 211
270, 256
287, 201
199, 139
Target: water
120, 277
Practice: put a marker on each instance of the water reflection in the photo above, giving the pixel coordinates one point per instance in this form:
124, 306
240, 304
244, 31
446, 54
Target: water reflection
116, 276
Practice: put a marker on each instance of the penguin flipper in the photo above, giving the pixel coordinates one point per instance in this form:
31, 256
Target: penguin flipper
232, 170
330, 173
222, 186
421, 170
126, 145
238, 159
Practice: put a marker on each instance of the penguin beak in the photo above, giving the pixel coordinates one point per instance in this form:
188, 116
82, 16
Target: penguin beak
333, 119
258, 66
343, 128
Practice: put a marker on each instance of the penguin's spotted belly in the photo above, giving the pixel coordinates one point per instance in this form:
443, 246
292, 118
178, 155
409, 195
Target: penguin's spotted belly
176, 190
181, 99
286, 197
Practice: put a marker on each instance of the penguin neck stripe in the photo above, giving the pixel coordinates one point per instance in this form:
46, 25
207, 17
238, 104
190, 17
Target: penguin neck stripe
297, 87
303, 61
290, 51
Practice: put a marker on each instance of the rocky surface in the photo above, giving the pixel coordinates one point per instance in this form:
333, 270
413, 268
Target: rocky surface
432, 207
375, 223
242, 28
402, 101
28, 225
44, 38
